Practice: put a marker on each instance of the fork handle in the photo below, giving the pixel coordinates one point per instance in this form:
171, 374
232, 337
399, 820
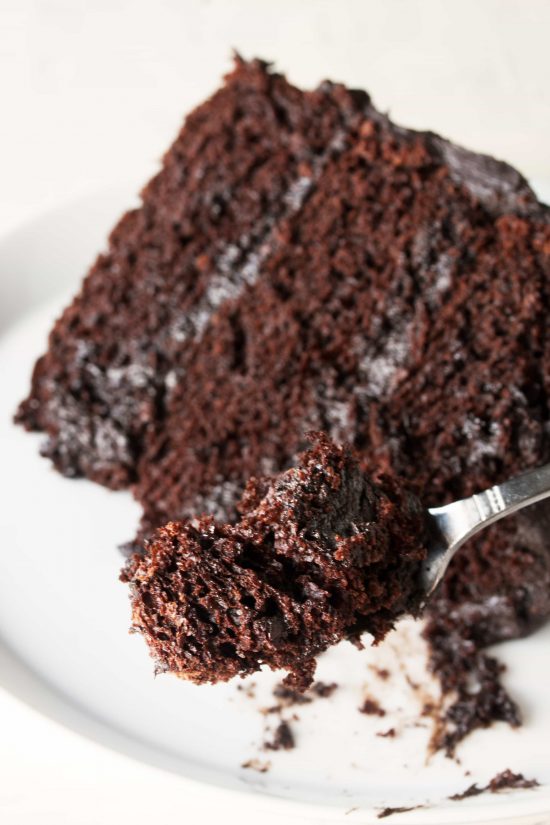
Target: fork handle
504, 499
456, 522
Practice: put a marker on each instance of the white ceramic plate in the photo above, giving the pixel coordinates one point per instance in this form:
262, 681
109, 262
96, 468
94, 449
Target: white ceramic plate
64, 645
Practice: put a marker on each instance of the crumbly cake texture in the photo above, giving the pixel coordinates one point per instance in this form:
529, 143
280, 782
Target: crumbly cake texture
302, 263
320, 553
506, 780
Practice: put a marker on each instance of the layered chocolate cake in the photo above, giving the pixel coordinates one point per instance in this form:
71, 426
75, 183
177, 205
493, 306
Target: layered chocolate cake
302, 263
320, 553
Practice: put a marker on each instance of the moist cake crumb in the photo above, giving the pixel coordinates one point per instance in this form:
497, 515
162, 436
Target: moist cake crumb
289, 696
371, 707
320, 553
382, 672
323, 689
506, 780
283, 738
400, 810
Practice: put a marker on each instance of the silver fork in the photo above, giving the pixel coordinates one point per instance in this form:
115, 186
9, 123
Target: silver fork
453, 524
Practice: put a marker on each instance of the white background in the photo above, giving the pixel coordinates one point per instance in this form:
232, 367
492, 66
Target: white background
92, 92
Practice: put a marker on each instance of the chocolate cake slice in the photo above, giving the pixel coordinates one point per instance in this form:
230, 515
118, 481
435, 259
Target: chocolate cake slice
302, 263
320, 553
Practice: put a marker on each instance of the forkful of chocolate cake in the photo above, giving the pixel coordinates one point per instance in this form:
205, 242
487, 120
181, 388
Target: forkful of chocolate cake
326, 550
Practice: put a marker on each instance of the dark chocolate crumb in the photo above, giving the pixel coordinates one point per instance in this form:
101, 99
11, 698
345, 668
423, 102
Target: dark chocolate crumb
391, 811
283, 738
472, 790
248, 690
288, 696
509, 780
323, 689
271, 709
390, 733
382, 672
506, 780
372, 708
